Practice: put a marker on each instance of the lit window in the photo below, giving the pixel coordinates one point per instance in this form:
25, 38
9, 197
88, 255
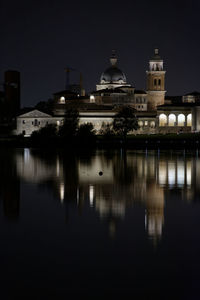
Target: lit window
58, 123
146, 123
189, 120
162, 120
171, 120
62, 100
92, 99
152, 124
181, 120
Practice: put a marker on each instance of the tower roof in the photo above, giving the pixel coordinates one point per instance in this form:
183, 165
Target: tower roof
156, 56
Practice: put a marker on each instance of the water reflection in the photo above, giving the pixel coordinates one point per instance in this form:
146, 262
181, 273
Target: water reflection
9, 185
107, 183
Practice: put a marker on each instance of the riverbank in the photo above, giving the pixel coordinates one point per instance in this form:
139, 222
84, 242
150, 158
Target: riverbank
156, 141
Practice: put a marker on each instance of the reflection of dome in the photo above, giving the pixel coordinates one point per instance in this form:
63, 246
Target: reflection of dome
113, 75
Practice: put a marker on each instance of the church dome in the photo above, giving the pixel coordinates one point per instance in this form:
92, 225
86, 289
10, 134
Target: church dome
113, 74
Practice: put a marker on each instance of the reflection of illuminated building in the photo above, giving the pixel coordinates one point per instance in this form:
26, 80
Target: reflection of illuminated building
62, 191
174, 172
32, 168
147, 179
154, 214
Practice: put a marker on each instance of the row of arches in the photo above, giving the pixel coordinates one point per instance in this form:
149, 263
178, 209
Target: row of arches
175, 120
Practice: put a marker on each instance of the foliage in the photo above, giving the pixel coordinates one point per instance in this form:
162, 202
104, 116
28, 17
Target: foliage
70, 125
45, 106
106, 129
86, 131
49, 131
125, 121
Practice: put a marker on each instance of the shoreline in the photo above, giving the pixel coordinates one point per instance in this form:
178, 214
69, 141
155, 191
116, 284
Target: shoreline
158, 141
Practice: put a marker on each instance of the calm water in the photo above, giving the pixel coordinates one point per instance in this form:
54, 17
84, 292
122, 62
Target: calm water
130, 232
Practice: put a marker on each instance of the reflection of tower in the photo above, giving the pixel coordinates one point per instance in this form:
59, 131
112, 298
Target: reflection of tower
155, 81
110, 205
12, 93
154, 215
11, 197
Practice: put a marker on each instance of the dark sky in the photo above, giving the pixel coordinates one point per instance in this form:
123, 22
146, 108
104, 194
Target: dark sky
41, 38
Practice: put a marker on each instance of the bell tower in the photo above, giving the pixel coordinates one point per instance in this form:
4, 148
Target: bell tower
155, 81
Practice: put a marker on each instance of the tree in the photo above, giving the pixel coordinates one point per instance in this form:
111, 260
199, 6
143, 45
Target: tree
86, 131
125, 121
70, 125
45, 106
106, 129
49, 131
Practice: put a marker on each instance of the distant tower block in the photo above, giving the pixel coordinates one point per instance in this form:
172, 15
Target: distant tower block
12, 92
155, 82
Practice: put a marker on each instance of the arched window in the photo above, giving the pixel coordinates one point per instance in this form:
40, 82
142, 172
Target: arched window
171, 120
162, 120
159, 81
62, 100
155, 82
181, 120
152, 124
189, 120
140, 123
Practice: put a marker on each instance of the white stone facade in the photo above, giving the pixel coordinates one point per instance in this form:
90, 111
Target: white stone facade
33, 121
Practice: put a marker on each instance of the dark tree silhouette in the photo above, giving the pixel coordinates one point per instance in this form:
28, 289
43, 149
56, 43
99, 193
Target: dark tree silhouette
70, 125
125, 121
49, 131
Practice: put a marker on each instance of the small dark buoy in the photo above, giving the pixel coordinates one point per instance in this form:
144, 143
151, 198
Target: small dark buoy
100, 173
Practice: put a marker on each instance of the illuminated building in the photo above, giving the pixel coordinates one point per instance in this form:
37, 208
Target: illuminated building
155, 112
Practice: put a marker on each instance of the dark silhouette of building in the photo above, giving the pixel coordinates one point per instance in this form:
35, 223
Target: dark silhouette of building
12, 93
9, 101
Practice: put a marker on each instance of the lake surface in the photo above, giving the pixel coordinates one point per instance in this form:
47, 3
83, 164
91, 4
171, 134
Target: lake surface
101, 224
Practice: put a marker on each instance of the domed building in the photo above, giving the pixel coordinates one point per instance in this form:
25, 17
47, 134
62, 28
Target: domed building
112, 77
113, 89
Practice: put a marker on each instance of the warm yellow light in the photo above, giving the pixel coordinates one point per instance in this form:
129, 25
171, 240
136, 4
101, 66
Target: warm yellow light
62, 100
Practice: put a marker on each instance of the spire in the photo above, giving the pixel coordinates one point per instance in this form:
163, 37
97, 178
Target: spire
113, 58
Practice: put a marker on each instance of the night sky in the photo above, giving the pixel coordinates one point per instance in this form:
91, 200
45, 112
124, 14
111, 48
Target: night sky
41, 38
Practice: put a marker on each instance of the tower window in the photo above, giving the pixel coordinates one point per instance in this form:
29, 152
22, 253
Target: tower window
155, 82
159, 82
